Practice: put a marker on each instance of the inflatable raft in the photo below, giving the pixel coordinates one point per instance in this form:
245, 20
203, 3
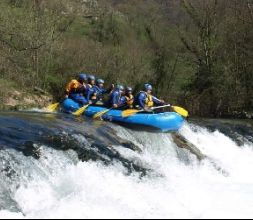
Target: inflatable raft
165, 122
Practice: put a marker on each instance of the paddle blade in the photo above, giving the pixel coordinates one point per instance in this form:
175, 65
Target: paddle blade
129, 112
80, 111
53, 107
181, 111
100, 114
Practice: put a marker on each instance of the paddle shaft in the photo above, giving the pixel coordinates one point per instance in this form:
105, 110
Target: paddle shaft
100, 114
80, 111
154, 108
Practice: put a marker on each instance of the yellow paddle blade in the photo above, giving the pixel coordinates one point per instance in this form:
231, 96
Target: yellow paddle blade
80, 111
129, 112
53, 107
181, 111
100, 114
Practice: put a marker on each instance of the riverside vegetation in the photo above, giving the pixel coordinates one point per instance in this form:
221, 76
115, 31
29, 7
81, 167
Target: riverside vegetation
197, 53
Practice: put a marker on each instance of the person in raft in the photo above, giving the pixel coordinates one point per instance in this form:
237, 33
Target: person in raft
145, 100
90, 89
115, 99
128, 99
96, 96
76, 88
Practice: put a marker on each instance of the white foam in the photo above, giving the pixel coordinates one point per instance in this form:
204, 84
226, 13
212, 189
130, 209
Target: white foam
10, 215
91, 190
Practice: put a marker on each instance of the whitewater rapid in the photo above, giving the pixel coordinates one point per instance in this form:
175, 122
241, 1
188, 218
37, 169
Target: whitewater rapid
60, 186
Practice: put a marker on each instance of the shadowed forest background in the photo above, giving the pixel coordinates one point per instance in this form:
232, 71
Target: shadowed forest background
197, 53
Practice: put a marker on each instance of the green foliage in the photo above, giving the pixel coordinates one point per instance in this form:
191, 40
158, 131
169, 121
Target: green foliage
219, 43
196, 53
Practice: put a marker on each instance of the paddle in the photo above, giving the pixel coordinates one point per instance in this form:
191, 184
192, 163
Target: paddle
179, 110
53, 107
100, 114
130, 112
80, 111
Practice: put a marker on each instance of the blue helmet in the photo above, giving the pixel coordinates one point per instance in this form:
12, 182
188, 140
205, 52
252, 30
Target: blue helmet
120, 88
91, 78
82, 76
129, 89
148, 87
100, 81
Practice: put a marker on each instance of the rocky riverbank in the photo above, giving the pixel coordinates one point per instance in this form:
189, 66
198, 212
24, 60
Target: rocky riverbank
14, 98
242, 114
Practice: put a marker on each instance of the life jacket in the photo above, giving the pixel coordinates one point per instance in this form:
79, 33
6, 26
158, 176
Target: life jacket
149, 100
75, 87
130, 101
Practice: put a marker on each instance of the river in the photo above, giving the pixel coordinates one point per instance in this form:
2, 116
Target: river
57, 166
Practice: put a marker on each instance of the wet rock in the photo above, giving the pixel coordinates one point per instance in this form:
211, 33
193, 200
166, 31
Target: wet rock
89, 148
15, 99
240, 131
181, 142
249, 115
111, 135
8, 203
31, 149
238, 115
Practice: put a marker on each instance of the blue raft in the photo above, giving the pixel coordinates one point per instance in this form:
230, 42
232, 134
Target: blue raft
165, 122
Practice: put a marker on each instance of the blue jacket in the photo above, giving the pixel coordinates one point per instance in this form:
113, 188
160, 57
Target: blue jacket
141, 100
78, 98
100, 92
90, 91
115, 99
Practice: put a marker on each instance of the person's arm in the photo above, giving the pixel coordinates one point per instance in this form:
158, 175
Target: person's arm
158, 101
142, 101
89, 93
123, 101
116, 99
